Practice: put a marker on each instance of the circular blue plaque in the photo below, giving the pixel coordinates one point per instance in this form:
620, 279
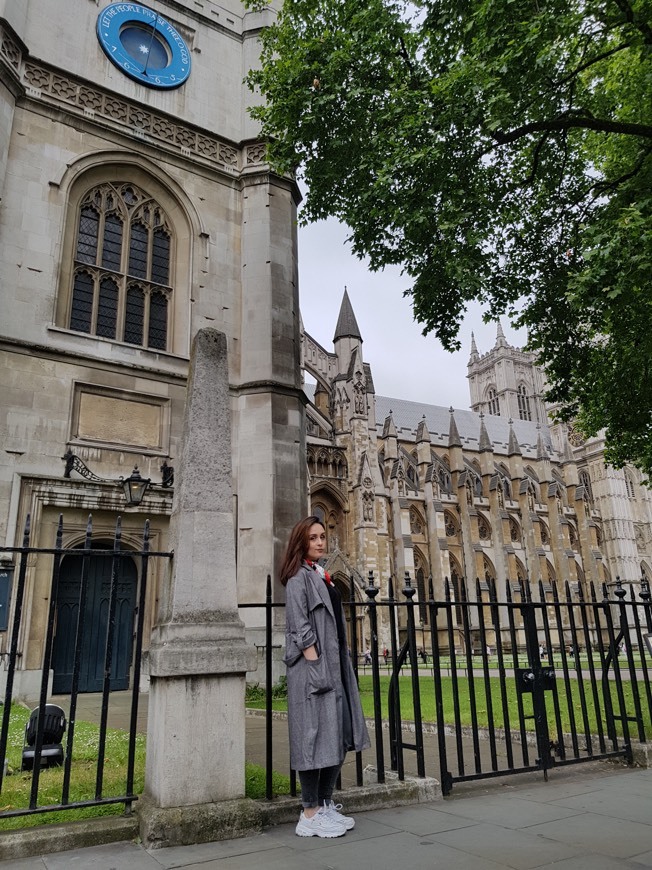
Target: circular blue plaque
143, 45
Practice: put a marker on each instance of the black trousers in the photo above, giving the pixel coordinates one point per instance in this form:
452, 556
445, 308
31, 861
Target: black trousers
317, 785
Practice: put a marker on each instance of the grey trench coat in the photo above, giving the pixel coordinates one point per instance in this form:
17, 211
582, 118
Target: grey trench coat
315, 688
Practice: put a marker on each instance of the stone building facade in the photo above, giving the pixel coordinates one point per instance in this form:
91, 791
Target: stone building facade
499, 491
136, 209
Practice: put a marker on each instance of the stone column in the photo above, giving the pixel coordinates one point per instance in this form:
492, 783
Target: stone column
198, 655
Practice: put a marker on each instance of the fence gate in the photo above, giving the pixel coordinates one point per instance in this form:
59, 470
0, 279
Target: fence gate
520, 684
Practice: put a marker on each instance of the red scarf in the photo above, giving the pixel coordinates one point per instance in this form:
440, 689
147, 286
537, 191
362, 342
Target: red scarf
322, 573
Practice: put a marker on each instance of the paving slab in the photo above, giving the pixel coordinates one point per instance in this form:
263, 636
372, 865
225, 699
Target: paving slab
617, 838
518, 849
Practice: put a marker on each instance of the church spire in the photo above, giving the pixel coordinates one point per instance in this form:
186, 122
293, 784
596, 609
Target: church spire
474, 350
501, 341
347, 326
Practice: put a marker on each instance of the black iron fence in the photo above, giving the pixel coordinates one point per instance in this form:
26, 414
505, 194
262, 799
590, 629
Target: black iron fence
511, 685
461, 688
83, 634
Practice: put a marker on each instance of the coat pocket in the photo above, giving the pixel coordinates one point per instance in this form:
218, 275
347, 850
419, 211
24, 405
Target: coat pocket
319, 679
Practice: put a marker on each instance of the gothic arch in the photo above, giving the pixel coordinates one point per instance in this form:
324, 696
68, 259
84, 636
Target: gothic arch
451, 525
325, 486
630, 484
328, 505
523, 400
417, 522
168, 301
492, 400
488, 569
484, 528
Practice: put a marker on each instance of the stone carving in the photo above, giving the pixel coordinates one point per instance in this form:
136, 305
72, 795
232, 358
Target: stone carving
368, 506
256, 153
10, 51
159, 127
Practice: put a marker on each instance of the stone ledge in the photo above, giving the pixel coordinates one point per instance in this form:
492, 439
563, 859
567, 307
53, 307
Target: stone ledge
205, 823
49, 839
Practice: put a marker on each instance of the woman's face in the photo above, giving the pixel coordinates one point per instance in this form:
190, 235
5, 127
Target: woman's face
316, 542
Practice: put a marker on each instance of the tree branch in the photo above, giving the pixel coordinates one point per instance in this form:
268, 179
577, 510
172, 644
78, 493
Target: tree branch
565, 122
590, 62
642, 26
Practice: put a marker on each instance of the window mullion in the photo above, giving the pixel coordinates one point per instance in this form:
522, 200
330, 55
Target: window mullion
148, 296
122, 304
96, 300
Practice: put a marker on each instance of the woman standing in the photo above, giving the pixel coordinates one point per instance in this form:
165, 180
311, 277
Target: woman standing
324, 712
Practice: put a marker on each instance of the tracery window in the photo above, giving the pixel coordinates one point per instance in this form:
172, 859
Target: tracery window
523, 399
572, 536
545, 534
450, 525
122, 267
484, 530
416, 523
493, 402
629, 484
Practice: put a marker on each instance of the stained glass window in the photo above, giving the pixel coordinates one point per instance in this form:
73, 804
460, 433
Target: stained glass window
122, 234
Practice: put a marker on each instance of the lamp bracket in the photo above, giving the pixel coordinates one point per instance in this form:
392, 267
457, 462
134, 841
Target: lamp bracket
74, 463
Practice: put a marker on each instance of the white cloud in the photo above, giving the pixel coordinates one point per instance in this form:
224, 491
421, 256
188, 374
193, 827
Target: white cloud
404, 363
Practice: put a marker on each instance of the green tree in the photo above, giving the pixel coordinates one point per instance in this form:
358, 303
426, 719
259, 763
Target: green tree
499, 151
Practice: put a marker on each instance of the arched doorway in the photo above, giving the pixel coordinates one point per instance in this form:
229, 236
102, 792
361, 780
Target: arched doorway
96, 611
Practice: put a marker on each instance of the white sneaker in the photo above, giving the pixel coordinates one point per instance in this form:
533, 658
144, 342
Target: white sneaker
322, 824
333, 810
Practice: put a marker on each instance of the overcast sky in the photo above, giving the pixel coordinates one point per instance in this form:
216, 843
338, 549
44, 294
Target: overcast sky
404, 364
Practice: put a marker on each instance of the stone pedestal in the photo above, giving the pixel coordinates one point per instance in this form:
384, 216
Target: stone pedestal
198, 654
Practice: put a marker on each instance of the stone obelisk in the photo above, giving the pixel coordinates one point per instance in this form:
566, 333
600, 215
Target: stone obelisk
198, 654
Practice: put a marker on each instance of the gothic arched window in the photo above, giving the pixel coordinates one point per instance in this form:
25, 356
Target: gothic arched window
524, 411
585, 481
493, 402
121, 280
629, 484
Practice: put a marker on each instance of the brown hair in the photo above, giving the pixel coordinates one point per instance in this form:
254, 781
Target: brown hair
297, 548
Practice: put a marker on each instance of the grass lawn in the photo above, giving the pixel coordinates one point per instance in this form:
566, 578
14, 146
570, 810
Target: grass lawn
481, 695
16, 788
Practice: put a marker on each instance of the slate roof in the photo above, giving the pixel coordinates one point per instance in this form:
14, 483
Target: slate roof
407, 416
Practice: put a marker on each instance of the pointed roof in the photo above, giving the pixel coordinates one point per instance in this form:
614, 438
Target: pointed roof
513, 448
422, 430
485, 442
542, 452
474, 349
454, 439
389, 429
347, 326
501, 341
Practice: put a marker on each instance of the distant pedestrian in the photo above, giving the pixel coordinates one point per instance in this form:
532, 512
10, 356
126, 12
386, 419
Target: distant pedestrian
367, 656
385, 654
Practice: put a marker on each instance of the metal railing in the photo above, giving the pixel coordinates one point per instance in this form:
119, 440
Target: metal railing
85, 555
508, 686
566, 680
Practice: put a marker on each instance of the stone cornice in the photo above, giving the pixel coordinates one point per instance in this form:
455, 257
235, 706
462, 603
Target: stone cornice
75, 357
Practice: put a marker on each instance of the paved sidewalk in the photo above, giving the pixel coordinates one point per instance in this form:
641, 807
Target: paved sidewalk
593, 817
